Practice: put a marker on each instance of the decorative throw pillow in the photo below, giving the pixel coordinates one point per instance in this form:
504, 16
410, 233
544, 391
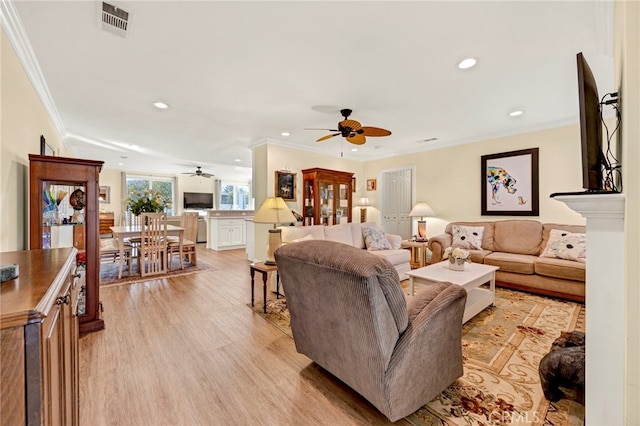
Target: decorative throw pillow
566, 245
305, 238
375, 239
467, 237
395, 241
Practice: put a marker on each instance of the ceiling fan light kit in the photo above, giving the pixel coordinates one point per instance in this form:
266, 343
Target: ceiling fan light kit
353, 131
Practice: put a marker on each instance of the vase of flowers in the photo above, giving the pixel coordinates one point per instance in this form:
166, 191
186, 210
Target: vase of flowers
147, 201
457, 258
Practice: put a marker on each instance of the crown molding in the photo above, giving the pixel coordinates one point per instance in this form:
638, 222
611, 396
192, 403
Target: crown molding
14, 30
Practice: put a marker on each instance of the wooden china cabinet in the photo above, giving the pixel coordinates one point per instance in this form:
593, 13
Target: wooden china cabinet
63, 212
327, 196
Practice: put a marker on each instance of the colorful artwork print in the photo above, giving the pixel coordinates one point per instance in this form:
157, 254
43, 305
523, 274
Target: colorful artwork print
510, 183
497, 178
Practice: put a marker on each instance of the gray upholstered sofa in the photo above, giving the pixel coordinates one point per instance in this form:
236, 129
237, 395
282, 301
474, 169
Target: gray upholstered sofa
351, 233
349, 315
517, 247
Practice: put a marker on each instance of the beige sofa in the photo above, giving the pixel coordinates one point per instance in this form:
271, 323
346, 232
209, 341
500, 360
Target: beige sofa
515, 246
351, 234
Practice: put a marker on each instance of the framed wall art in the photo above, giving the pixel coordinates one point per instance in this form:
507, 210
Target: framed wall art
285, 185
371, 184
45, 148
509, 183
104, 194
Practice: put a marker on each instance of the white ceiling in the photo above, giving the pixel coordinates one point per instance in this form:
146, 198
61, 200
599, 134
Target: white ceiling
240, 73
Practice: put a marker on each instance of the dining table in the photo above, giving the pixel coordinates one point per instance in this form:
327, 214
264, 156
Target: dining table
128, 231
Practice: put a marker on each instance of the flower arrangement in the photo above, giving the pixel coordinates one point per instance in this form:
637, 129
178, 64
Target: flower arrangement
148, 201
457, 255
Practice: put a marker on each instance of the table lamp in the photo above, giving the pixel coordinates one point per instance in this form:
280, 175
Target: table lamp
363, 203
273, 210
422, 210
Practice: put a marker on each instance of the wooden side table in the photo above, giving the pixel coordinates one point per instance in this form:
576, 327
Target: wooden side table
418, 252
264, 269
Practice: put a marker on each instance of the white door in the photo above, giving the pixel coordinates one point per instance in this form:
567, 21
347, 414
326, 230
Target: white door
396, 201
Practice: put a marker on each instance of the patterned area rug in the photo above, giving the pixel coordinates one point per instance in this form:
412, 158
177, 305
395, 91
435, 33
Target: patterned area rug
109, 272
502, 347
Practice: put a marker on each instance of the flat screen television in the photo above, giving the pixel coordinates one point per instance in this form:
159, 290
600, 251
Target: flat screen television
590, 128
198, 200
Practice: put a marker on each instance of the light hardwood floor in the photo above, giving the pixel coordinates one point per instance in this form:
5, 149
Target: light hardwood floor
188, 351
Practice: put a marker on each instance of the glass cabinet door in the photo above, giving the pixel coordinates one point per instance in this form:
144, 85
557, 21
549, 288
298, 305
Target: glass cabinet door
342, 211
63, 224
326, 203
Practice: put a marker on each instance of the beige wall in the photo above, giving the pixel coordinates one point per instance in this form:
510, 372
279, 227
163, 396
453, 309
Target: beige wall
268, 158
449, 179
22, 120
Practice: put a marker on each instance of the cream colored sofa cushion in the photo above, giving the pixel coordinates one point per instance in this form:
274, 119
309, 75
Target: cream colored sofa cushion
339, 234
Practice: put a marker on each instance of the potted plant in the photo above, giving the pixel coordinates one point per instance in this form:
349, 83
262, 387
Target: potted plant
457, 258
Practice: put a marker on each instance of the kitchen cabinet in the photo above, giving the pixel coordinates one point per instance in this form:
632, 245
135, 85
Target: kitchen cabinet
226, 233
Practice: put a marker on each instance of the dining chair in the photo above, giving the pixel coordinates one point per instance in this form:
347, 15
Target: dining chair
188, 221
129, 219
152, 252
110, 251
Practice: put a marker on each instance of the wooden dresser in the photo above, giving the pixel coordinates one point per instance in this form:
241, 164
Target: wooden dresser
106, 222
39, 339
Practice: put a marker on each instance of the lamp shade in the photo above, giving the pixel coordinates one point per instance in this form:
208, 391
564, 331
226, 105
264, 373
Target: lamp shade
274, 210
422, 210
363, 202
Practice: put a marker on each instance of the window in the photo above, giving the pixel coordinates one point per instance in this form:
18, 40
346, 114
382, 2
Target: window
234, 196
165, 185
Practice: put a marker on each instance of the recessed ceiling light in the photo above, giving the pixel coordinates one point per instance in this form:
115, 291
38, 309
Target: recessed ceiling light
160, 105
120, 164
467, 63
354, 149
285, 133
516, 113
237, 160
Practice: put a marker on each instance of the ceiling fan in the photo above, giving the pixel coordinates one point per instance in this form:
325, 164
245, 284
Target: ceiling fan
352, 130
199, 173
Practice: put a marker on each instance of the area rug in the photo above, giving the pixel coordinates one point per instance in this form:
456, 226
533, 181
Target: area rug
502, 347
109, 272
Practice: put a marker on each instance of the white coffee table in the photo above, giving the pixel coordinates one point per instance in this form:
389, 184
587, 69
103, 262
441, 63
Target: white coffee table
474, 275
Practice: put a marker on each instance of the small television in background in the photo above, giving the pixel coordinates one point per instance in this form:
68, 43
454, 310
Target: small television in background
593, 158
198, 200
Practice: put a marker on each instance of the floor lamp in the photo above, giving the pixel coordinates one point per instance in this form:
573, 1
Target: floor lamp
422, 210
274, 210
363, 203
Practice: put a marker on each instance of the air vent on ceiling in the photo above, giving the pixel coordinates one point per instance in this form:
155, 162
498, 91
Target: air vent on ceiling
115, 20
427, 140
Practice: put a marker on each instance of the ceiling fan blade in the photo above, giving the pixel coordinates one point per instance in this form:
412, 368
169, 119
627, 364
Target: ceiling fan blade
327, 130
375, 131
351, 124
324, 138
357, 139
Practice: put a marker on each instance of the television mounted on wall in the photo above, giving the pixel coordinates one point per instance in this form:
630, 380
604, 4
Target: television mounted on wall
593, 158
198, 200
